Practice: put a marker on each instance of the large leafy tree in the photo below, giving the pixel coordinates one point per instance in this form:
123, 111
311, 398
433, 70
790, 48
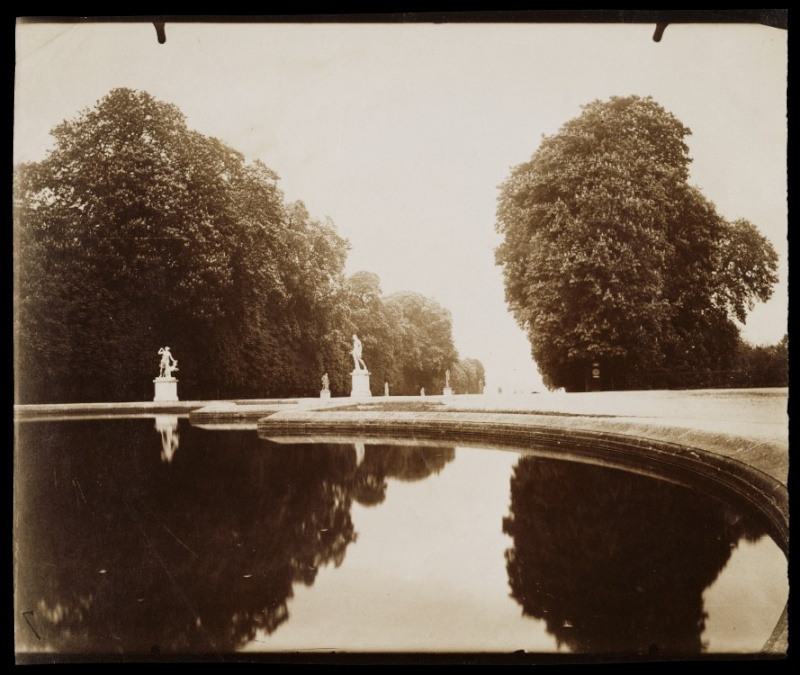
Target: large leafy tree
136, 232
610, 256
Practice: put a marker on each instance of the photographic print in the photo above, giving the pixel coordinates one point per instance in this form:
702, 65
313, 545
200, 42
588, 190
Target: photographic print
446, 338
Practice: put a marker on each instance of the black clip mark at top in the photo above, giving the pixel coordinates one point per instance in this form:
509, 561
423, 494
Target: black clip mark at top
162, 35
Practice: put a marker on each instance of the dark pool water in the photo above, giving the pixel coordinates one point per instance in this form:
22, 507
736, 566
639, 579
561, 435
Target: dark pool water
152, 537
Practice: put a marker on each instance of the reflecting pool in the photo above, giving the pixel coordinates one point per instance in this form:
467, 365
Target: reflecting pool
149, 536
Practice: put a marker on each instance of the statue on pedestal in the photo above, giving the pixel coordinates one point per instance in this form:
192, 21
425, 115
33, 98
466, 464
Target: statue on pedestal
447, 390
325, 392
360, 374
166, 384
168, 363
359, 362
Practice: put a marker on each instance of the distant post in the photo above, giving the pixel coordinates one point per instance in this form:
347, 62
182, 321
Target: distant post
593, 377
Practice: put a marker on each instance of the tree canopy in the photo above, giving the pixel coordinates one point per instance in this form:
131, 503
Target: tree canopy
407, 341
610, 256
468, 377
425, 340
136, 232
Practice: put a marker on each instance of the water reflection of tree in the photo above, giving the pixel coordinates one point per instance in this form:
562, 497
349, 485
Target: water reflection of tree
403, 462
615, 563
118, 552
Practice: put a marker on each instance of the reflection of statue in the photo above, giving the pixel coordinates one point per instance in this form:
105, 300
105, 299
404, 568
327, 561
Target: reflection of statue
191, 510
359, 362
326, 382
168, 363
447, 379
360, 451
188, 513
167, 425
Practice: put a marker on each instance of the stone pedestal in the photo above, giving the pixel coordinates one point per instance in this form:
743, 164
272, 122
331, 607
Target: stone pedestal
325, 393
166, 389
360, 388
447, 391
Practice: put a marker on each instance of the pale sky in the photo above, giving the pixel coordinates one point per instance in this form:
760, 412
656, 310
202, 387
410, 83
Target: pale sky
402, 133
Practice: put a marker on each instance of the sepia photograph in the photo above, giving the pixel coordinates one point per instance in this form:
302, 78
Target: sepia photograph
446, 338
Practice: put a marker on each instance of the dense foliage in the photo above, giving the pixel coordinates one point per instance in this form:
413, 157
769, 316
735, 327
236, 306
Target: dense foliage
425, 340
407, 341
762, 365
136, 232
468, 377
610, 256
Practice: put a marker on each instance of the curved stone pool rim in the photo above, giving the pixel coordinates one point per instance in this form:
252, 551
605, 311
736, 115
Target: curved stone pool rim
754, 468
644, 452
752, 471
640, 449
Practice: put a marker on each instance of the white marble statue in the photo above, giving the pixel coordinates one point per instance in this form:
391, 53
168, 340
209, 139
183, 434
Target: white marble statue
326, 382
359, 362
168, 363
447, 379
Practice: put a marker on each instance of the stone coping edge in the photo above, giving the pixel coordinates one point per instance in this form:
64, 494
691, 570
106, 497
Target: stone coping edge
692, 466
587, 440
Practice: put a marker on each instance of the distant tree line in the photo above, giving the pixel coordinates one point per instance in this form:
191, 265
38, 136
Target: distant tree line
136, 232
407, 341
762, 365
752, 366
